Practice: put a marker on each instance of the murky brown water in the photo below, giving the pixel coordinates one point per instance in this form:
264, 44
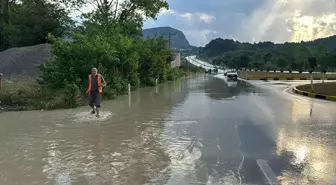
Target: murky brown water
73, 147
200, 130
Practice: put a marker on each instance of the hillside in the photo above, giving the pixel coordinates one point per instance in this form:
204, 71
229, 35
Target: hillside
317, 55
330, 42
178, 39
24, 61
219, 46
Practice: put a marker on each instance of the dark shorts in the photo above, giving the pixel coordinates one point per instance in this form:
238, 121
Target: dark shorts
94, 99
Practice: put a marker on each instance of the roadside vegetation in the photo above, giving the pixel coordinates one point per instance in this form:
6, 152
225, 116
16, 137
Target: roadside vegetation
109, 38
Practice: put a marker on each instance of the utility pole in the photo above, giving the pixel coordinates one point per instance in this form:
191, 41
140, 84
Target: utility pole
169, 38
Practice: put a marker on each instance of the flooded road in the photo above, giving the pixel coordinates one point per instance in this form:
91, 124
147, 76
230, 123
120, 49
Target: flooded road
199, 130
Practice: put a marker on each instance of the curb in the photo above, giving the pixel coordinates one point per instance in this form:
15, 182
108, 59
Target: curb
275, 79
314, 95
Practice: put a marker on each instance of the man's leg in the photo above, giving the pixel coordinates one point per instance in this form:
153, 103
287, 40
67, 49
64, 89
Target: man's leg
97, 102
92, 101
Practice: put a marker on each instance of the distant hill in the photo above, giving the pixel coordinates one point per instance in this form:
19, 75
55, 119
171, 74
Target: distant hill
220, 46
178, 39
272, 56
330, 42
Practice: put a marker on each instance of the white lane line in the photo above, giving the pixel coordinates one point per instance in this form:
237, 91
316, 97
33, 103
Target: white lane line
268, 172
243, 157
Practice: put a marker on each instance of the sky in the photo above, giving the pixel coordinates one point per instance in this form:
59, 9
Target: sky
249, 20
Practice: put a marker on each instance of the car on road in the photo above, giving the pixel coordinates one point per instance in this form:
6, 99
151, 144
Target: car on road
232, 75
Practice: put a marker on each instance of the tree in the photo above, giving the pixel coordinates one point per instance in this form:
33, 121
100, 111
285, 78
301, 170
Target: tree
30, 21
108, 40
281, 62
312, 63
267, 57
301, 54
122, 16
4, 20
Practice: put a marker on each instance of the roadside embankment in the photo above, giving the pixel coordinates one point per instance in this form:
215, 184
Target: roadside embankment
326, 91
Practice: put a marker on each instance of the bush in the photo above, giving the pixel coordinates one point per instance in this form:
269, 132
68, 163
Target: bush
120, 60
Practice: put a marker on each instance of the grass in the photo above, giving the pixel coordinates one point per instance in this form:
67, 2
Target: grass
18, 93
328, 89
27, 94
259, 75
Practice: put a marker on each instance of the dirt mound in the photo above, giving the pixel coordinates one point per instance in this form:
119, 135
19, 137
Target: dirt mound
24, 61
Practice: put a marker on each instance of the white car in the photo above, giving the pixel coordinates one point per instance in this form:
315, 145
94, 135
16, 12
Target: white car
232, 75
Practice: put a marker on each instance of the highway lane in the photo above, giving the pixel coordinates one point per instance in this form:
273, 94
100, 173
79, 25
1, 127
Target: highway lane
240, 123
199, 63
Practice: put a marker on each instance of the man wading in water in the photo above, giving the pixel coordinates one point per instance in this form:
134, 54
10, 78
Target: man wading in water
96, 84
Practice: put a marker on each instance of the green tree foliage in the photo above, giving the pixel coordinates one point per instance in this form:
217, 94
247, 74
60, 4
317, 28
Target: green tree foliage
29, 22
270, 56
110, 39
4, 20
154, 60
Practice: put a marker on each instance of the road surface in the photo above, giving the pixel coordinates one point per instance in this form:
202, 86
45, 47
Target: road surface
193, 60
199, 130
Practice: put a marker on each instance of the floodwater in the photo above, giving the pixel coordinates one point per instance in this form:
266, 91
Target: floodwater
199, 130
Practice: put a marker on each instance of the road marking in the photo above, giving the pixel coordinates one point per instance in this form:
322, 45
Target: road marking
268, 172
243, 158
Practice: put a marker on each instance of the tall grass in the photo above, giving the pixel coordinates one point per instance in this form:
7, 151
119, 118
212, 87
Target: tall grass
27, 94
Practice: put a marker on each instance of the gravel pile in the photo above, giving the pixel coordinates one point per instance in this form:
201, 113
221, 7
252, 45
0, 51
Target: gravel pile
24, 61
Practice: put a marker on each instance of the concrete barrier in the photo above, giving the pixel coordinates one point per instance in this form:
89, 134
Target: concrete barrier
287, 79
314, 95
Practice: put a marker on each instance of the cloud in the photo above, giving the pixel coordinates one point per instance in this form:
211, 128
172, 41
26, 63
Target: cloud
250, 20
291, 20
247, 20
92, 5
75, 14
194, 25
191, 17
